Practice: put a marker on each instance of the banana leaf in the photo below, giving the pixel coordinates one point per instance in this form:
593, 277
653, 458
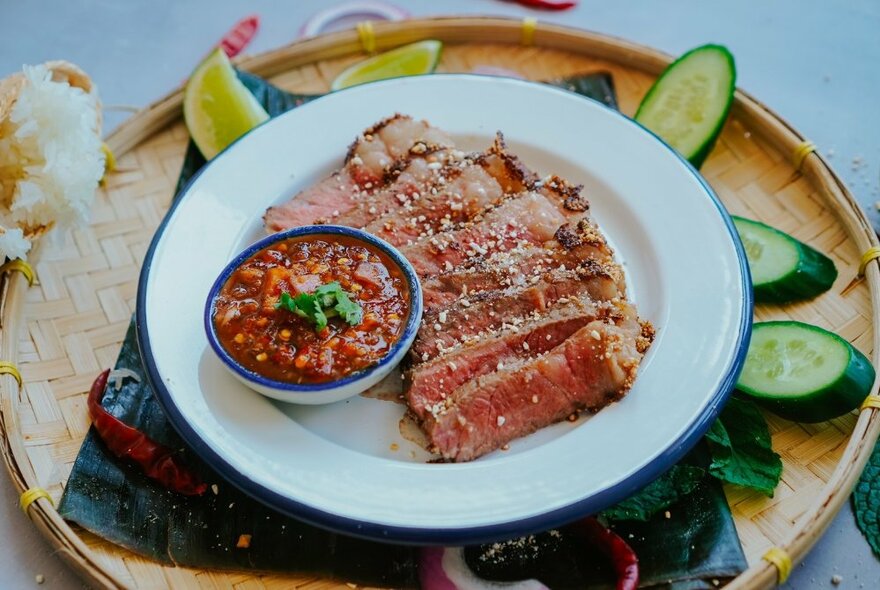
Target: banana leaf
114, 500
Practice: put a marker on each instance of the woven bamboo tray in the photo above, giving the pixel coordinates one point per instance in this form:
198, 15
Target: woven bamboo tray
61, 332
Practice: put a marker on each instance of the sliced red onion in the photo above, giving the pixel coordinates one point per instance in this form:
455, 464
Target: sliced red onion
445, 569
496, 71
363, 8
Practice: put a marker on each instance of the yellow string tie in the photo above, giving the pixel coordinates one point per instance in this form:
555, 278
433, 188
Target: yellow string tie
7, 368
781, 560
869, 255
801, 152
19, 265
872, 401
31, 496
529, 24
109, 162
109, 158
367, 35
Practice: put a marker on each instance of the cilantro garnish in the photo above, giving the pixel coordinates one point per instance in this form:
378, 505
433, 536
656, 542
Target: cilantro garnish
327, 301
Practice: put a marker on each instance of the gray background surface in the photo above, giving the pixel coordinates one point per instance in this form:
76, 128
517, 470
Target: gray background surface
815, 62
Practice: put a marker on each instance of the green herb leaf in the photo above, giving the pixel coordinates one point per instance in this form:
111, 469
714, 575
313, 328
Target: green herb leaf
350, 311
658, 495
866, 501
326, 301
739, 442
286, 302
311, 308
328, 294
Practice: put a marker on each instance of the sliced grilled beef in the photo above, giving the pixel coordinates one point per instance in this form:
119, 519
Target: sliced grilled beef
460, 188
529, 219
489, 310
364, 171
578, 246
592, 368
455, 195
430, 382
408, 179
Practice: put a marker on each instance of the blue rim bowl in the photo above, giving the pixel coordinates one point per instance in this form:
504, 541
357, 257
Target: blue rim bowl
350, 385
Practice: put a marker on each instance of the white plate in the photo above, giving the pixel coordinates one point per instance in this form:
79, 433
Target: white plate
334, 465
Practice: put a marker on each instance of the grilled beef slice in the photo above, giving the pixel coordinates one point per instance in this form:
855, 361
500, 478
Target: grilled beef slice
363, 172
592, 368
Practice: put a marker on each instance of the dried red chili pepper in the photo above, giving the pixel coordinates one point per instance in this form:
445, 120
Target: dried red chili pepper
157, 460
623, 558
548, 4
239, 36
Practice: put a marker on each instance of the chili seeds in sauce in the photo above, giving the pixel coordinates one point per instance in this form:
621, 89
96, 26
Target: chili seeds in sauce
281, 345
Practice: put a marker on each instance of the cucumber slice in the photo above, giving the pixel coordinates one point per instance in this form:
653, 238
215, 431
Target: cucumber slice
783, 269
804, 373
689, 102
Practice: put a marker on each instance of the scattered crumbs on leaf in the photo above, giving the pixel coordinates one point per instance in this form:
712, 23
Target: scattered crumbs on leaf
244, 541
667, 514
215, 489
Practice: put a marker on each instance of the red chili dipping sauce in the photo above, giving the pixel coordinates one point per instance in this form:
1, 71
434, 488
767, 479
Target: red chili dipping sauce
312, 309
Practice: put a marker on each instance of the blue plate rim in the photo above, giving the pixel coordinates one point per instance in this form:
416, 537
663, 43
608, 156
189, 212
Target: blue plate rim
462, 535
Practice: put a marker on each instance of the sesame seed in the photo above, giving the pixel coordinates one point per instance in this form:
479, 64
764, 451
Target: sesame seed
534, 399
501, 420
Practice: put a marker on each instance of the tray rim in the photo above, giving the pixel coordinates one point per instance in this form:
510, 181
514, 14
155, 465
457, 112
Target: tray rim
452, 29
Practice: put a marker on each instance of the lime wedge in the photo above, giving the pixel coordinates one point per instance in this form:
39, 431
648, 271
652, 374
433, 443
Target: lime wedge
217, 107
409, 60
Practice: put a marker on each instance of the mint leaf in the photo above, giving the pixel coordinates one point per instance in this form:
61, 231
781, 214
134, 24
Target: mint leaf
739, 442
658, 495
350, 311
866, 501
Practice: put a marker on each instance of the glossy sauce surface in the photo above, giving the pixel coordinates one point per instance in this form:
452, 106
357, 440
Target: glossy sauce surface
281, 345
